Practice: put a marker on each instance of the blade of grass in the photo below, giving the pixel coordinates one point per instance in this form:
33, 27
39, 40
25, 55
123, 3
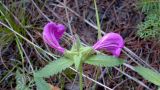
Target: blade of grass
28, 60
8, 73
98, 21
20, 51
17, 20
68, 20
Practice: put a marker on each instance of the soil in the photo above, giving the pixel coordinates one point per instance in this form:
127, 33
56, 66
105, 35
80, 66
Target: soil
120, 16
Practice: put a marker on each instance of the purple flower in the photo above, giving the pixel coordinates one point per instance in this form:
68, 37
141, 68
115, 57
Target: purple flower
111, 42
52, 33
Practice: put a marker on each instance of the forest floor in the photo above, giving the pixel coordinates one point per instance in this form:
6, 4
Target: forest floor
120, 16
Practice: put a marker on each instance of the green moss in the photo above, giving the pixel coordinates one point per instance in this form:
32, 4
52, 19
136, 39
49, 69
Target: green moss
150, 28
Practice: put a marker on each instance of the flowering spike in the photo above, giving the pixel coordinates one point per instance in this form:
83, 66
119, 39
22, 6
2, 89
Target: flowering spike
52, 32
111, 42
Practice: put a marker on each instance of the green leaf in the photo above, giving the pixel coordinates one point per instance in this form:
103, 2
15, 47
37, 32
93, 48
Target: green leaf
54, 67
104, 60
148, 74
70, 54
21, 81
86, 52
41, 84
159, 88
77, 61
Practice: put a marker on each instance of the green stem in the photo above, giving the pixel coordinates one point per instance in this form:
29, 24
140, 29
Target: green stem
97, 19
80, 77
98, 73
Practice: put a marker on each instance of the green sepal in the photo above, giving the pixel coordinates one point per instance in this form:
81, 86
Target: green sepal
86, 52
76, 45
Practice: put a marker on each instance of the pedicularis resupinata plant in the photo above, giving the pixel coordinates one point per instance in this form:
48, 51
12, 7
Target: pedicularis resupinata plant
78, 54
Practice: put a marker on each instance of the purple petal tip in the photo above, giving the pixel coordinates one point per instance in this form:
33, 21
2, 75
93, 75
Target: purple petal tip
111, 42
52, 32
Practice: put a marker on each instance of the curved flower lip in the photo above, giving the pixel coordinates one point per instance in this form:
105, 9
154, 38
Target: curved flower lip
52, 33
111, 42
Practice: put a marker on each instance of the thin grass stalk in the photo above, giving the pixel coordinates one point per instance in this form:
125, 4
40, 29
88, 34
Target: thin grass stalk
98, 21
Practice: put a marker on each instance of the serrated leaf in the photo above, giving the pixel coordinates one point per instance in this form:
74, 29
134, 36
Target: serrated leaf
148, 74
54, 67
41, 84
104, 60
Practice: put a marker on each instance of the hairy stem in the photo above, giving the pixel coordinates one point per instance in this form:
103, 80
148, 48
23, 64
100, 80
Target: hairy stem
80, 77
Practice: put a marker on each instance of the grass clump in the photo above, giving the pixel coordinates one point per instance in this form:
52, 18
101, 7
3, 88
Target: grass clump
7, 16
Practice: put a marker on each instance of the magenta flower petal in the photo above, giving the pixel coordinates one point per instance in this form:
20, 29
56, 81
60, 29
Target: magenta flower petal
52, 32
111, 42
